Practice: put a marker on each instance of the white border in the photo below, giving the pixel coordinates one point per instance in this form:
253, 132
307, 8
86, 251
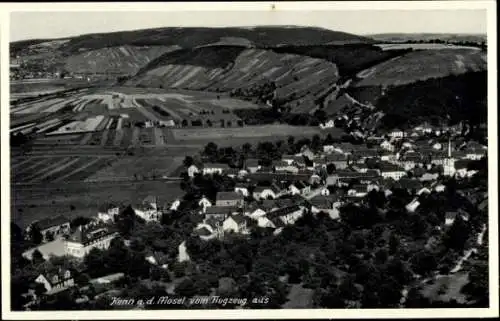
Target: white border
5, 9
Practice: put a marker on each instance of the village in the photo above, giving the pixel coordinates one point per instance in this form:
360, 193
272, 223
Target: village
271, 195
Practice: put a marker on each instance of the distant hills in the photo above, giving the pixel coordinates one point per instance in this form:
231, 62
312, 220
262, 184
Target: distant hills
307, 68
426, 37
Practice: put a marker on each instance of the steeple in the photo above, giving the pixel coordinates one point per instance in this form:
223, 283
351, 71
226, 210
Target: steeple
449, 147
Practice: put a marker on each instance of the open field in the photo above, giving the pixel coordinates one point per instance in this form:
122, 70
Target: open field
55, 168
35, 85
130, 168
242, 132
447, 288
29, 203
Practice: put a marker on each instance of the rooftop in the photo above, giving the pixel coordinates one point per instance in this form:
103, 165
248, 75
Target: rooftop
229, 196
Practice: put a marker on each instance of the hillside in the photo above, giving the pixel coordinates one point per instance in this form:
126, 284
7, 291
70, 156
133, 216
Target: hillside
298, 79
421, 65
115, 60
453, 98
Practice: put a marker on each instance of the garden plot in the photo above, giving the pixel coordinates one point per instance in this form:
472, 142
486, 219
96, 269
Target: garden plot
37, 107
88, 125
44, 166
130, 168
54, 172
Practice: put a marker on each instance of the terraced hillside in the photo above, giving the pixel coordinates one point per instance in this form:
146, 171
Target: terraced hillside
115, 60
421, 65
298, 79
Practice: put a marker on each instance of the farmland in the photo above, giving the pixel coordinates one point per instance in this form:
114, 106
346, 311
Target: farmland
76, 199
422, 46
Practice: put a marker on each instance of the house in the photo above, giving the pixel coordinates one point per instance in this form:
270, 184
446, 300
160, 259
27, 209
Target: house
329, 124
288, 215
183, 255
167, 123
449, 218
324, 191
439, 188
282, 166
328, 148
339, 160
408, 184
362, 168
387, 146
85, 238
148, 210
424, 190
192, 170
241, 189
229, 199
236, 224
307, 152
326, 204
212, 168
158, 258
265, 192
252, 165
204, 203
462, 170
391, 170
219, 213
107, 212
411, 159
429, 177
299, 188
205, 232
51, 227
314, 179
56, 281
413, 205
175, 205
357, 190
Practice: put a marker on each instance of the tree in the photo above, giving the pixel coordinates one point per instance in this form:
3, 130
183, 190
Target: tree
188, 161
37, 256
79, 221
184, 123
35, 234
211, 150
330, 168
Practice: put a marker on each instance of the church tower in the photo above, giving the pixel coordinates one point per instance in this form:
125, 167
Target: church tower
449, 162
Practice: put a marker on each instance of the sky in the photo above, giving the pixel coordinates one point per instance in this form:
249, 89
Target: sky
36, 25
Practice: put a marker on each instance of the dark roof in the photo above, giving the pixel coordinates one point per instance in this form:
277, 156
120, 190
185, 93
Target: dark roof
220, 210
228, 196
463, 163
321, 201
335, 158
252, 162
91, 232
407, 183
106, 207
203, 231
215, 165
283, 211
59, 273
388, 167
239, 219
150, 199
51, 222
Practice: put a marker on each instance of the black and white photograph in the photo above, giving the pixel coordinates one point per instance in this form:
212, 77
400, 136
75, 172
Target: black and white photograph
271, 159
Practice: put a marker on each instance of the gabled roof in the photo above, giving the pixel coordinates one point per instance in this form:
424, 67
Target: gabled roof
283, 211
216, 165
107, 206
252, 162
221, 210
51, 222
203, 232
229, 196
463, 163
239, 219
91, 232
50, 276
388, 167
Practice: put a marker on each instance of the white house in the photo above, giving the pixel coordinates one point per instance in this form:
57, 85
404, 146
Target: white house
87, 237
107, 212
439, 188
183, 255
265, 192
328, 148
388, 170
175, 205
324, 191
413, 205
242, 189
54, 282
282, 166
192, 170
204, 203
256, 213
212, 168
387, 146
236, 224
328, 124
396, 133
